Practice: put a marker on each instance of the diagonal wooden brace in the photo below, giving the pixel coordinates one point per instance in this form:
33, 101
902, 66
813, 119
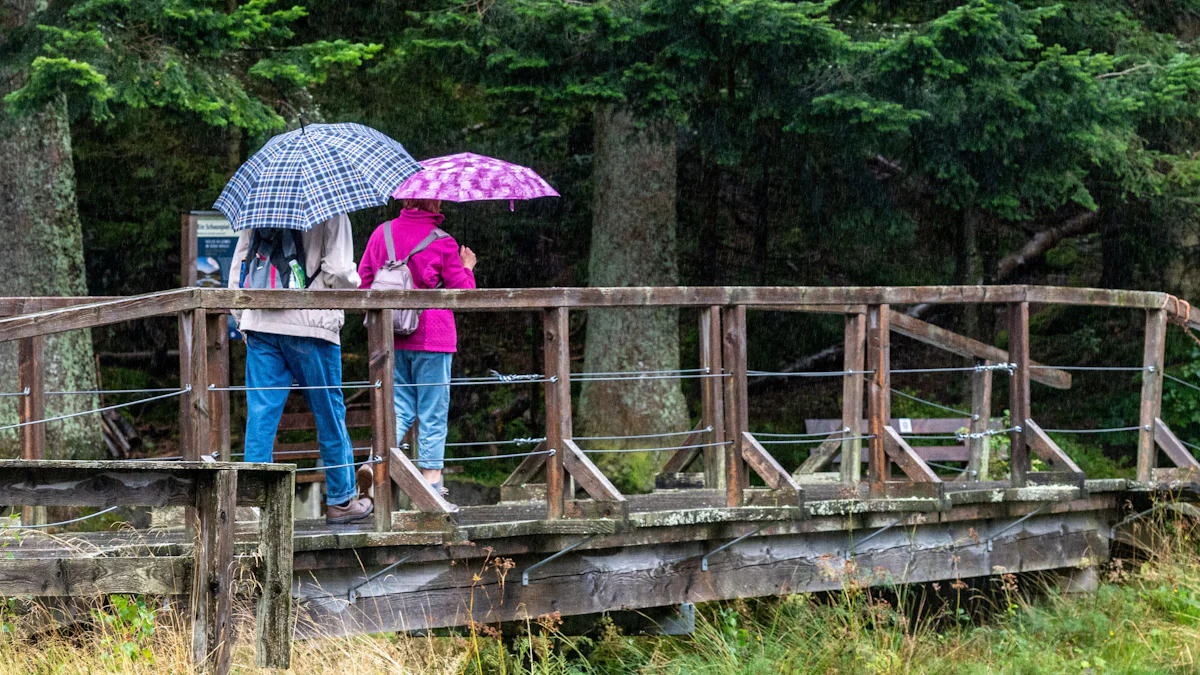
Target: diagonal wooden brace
822, 454
767, 467
906, 458
1048, 450
405, 474
589, 477
1172, 447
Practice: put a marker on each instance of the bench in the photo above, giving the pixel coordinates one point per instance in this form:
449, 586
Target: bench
936, 426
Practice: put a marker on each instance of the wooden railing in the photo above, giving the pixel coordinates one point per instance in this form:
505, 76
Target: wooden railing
869, 322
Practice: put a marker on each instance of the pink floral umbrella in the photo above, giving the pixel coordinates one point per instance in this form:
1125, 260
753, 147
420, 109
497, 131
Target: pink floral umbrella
467, 177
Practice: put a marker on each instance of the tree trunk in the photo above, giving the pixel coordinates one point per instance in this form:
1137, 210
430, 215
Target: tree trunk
633, 244
43, 255
968, 267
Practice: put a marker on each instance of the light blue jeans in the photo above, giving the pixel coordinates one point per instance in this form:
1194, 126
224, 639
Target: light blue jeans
428, 403
277, 361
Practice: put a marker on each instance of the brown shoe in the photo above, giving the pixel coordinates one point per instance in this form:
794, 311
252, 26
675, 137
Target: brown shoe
355, 510
365, 477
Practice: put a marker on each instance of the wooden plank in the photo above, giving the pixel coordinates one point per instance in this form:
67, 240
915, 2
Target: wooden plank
853, 362
712, 395
527, 469
920, 425
211, 603
879, 393
981, 415
31, 376
766, 466
13, 306
1018, 400
1096, 297
91, 577
737, 417
590, 478
273, 642
680, 459
1152, 382
823, 454
81, 486
814, 309
96, 314
381, 368
955, 343
1176, 451
1048, 450
356, 417
195, 417
557, 350
218, 375
406, 475
188, 246
907, 459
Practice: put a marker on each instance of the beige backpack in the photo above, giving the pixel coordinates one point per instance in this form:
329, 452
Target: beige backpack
395, 275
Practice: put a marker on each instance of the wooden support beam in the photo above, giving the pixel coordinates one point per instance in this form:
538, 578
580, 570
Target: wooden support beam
1176, 451
1048, 450
680, 459
979, 447
879, 394
103, 313
712, 395
823, 453
92, 577
854, 362
557, 349
925, 332
211, 603
195, 417
1152, 382
273, 645
218, 375
408, 478
528, 468
1018, 400
766, 466
907, 459
736, 393
31, 378
589, 477
381, 368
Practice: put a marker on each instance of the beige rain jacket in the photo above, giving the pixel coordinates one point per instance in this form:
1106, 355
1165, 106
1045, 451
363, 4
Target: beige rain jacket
329, 246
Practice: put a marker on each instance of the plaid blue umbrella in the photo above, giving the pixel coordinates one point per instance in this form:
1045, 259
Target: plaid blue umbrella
306, 176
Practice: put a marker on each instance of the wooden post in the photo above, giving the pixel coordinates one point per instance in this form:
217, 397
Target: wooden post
1152, 381
1018, 398
712, 396
212, 574
737, 417
879, 394
188, 245
852, 398
981, 413
218, 375
31, 376
274, 634
556, 329
195, 417
381, 369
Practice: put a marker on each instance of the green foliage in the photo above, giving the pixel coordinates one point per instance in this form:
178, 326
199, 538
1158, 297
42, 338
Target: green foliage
127, 625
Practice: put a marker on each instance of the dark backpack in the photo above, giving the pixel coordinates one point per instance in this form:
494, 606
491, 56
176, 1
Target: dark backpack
275, 260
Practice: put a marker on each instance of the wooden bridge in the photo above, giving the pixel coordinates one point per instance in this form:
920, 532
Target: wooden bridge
570, 542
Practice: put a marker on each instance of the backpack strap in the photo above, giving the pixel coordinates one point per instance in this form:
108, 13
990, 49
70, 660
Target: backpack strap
390, 241
433, 236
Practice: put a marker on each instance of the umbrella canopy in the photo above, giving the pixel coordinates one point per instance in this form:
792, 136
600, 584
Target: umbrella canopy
306, 176
468, 177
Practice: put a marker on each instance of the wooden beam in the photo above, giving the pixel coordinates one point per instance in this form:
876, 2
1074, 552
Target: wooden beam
962, 345
979, 446
188, 249
712, 395
823, 453
907, 459
91, 577
680, 459
879, 393
556, 332
1018, 400
736, 393
853, 363
273, 643
1176, 451
1048, 450
96, 314
1095, 297
13, 306
406, 475
528, 468
31, 377
83, 486
381, 367
218, 375
211, 603
766, 466
1152, 382
590, 478
195, 417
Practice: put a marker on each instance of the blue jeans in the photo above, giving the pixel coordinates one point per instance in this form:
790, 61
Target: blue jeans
277, 361
430, 405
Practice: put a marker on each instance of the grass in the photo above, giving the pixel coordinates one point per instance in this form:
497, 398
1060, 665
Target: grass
1145, 618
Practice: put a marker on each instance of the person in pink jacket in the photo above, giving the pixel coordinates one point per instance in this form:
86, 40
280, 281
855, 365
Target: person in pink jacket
423, 358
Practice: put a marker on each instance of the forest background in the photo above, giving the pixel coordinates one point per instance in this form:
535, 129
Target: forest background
705, 142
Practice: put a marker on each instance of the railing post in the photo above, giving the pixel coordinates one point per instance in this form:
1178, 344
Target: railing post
381, 367
879, 394
712, 391
1152, 381
194, 414
31, 376
556, 330
1018, 399
737, 418
218, 375
274, 616
852, 398
981, 413
212, 572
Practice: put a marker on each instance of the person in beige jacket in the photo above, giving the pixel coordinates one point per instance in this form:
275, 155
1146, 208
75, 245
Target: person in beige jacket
303, 346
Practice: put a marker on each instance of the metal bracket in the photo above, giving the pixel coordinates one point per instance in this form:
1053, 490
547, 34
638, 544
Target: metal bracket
704, 560
1013, 524
869, 537
352, 592
572, 547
